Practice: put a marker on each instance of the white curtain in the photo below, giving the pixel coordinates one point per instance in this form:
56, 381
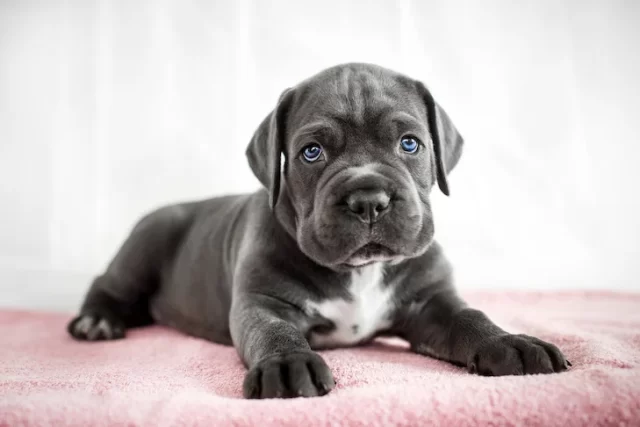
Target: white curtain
111, 108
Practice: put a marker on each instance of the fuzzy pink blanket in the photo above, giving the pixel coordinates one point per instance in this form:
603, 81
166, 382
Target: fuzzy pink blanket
157, 377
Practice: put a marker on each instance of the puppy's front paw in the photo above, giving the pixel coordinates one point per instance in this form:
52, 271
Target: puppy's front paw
299, 374
517, 355
91, 326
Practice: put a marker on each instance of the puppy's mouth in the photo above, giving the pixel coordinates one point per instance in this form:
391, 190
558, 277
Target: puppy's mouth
369, 254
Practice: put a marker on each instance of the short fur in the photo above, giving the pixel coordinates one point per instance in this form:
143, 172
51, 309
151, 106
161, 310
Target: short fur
294, 262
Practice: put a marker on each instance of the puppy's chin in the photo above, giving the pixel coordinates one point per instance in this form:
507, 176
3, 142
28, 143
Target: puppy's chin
363, 262
370, 253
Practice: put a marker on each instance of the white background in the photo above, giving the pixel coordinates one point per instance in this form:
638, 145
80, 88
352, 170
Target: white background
110, 108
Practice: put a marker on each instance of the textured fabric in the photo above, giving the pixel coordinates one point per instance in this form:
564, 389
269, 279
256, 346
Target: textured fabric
158, 377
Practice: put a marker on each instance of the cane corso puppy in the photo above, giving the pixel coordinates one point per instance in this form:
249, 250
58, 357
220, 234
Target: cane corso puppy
335, 250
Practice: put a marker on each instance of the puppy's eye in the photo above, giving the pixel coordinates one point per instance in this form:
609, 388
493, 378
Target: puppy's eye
409, 144
312, 152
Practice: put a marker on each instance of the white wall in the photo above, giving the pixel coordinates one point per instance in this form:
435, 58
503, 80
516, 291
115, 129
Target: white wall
109, 108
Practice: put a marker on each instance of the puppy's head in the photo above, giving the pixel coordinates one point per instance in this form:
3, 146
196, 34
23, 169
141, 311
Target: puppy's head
349, 157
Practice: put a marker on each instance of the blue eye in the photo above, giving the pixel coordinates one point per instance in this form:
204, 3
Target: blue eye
312, 152
409, 144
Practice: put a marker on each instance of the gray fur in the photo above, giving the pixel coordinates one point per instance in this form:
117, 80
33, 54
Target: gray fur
245, 270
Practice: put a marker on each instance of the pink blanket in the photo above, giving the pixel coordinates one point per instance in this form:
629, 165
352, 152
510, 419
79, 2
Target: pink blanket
157, 377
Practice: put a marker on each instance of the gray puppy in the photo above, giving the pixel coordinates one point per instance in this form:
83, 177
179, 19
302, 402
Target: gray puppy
335, 250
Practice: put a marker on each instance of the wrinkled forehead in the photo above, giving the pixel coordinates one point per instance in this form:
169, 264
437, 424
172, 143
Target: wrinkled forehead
359, 99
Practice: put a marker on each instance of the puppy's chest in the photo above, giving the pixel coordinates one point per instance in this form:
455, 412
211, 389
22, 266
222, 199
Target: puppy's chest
354, 319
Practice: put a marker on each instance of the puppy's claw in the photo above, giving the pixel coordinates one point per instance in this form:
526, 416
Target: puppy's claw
324, 389
83, 326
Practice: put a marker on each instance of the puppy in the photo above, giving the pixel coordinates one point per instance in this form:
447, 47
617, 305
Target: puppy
335, 250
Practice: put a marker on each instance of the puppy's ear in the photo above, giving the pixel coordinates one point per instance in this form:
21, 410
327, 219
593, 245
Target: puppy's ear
447, 141
267, 145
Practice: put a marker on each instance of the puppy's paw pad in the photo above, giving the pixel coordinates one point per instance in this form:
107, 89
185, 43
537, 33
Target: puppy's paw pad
94, 327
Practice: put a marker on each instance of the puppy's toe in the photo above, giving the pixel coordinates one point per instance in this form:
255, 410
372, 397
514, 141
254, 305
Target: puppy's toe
296, 374
517, 355
93, 327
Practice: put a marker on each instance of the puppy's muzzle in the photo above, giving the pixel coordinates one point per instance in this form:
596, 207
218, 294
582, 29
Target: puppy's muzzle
369, 204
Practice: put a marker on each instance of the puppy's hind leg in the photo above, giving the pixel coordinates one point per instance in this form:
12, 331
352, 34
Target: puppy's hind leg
118, 299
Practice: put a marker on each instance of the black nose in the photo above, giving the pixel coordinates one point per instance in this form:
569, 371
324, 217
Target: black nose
368, 205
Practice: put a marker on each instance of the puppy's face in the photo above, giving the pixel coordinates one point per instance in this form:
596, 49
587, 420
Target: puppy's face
360, 164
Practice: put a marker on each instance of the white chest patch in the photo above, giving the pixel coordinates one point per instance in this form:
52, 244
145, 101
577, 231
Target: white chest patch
359, 318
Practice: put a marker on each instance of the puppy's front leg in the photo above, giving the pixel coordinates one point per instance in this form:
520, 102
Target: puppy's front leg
267, 333
439, 324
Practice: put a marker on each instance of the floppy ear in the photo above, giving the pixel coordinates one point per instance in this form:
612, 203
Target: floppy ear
447, 141
267, 145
